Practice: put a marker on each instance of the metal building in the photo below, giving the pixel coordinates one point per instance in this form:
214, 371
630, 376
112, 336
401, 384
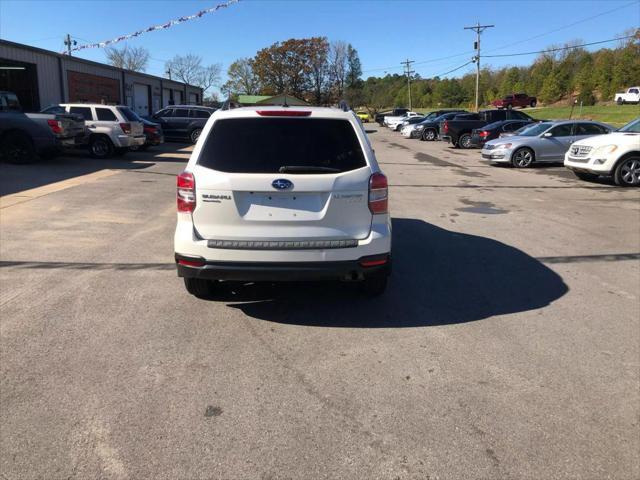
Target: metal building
42, 77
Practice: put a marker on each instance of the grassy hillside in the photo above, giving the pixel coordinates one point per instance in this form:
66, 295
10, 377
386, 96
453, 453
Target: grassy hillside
616, 115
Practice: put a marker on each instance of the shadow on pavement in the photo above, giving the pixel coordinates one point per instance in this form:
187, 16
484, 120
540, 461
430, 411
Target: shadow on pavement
76, 163
439, 278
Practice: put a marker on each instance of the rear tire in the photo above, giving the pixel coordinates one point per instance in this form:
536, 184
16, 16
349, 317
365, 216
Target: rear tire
18, 148
194, 135
465, 141
101, 147
627, 173
199, 288
620, 101
374, 286
533, 104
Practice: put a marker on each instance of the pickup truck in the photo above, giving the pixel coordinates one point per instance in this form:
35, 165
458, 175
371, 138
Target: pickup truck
392, 121
515, 100
25, 136
458, 130
632, 95
396, 112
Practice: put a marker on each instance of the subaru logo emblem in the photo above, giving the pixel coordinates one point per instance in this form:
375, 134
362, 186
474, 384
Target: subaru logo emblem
282, 184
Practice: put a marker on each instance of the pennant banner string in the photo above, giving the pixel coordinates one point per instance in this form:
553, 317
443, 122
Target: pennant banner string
163, 26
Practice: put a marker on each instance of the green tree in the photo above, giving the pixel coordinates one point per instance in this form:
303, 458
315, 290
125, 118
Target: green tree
551, 89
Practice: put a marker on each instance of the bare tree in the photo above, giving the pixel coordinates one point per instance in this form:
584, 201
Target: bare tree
134, 58
189, 69
338, 67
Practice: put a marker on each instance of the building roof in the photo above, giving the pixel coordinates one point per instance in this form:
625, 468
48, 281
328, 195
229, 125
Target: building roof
8, 43
251, 99
270, 100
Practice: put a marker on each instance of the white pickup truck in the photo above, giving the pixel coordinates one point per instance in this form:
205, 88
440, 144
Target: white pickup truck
393, 121
632, 95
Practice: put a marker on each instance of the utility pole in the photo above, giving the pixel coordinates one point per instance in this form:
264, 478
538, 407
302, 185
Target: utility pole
69, 43
168, 72
478, 29
407, 70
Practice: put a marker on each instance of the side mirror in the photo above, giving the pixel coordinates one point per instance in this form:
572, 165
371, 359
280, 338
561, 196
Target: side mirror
547, 135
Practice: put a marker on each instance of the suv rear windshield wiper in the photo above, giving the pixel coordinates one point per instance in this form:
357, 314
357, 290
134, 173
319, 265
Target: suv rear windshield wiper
306, 169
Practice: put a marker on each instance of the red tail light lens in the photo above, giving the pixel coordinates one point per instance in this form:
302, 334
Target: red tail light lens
55, 125
283, 113
126, 128
445, 127
484, 133
191, 263
378, 193
186, 193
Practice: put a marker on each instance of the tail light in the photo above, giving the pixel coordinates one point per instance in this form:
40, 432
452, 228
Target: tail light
445, 126
484, 134
186, 193
378, 193
126, 128
150, 129
283, 113
55, 125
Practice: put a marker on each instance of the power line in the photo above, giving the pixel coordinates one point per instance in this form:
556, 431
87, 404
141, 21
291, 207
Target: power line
455, 69
420, 62
560, 48
564, 27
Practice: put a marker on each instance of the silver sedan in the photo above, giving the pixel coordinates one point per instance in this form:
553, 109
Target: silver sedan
541, 142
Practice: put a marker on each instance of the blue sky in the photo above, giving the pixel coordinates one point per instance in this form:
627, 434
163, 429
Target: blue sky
383, 32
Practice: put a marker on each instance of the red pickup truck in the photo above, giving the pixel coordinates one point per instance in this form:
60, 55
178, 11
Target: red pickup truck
515, 100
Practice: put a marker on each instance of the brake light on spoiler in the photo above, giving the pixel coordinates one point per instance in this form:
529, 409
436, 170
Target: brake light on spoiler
283, 113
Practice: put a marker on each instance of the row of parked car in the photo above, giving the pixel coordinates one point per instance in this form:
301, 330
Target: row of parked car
105, 130
590, 149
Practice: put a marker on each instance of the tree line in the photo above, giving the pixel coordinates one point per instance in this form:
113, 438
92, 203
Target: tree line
324, 72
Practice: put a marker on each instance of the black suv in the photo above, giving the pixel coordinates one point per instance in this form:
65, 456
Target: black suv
183, 122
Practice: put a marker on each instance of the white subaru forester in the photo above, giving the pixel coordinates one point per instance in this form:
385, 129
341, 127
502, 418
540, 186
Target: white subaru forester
283, 194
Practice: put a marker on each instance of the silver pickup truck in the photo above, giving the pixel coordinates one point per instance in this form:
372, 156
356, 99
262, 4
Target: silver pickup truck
26, 136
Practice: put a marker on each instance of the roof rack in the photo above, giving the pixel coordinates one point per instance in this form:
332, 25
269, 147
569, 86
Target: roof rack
344, 106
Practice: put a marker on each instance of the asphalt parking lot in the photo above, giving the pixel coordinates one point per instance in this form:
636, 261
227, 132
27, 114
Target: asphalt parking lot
507, 345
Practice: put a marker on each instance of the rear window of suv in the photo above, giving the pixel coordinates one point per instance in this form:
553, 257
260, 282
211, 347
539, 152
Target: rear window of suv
266, 145
129, 114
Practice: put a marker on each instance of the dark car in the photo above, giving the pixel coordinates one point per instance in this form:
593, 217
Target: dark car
489, 132
458, 130
183, 122
427, 130
153, 133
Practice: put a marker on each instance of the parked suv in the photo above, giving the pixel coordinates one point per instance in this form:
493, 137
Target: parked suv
615, 155
183, 122
282, 194
113, 128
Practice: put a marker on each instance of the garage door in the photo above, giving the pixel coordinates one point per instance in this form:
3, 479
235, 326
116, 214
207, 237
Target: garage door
166, 97
177, 97
141, 99
193, 99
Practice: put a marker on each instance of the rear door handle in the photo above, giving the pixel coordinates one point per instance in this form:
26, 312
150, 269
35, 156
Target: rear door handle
91, 126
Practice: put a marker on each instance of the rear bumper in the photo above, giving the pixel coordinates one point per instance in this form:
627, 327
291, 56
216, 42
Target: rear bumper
352, 270
130, 141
